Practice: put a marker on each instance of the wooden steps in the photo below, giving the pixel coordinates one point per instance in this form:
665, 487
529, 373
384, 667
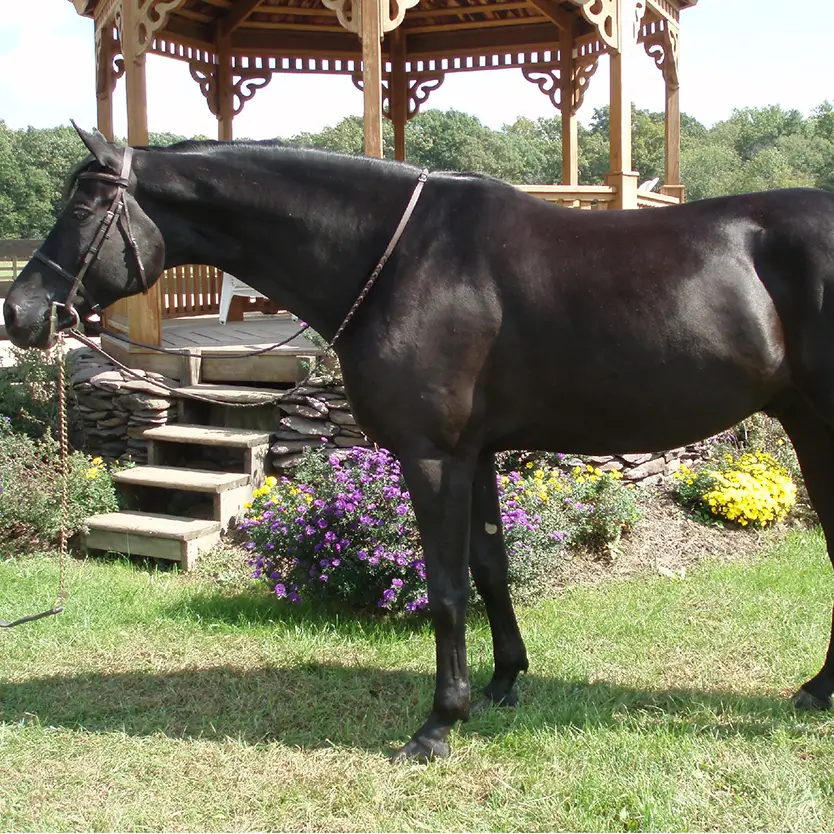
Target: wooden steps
158, 536
179, 538
175, 477
206, 436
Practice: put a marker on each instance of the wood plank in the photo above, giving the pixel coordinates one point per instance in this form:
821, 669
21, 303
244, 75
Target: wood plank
175, 527
181, 478
238, 13
205, 436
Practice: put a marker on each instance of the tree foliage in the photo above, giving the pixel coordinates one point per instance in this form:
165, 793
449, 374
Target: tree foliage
755, 149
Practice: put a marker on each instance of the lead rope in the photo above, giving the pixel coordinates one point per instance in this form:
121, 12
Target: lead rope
58, 606
63, 441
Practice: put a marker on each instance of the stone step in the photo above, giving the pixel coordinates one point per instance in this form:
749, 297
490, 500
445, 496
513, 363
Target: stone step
158, 536
206, 436
175, 477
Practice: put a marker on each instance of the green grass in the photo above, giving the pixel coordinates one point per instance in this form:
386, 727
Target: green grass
158, 702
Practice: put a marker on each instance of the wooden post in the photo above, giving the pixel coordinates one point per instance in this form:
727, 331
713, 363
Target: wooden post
104, 80
570, 134
673, 185
144, 312
372, 75
621, 176
398, 92
225, 101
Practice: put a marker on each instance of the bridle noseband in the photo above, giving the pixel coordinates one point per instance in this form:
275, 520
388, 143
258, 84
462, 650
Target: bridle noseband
116, 214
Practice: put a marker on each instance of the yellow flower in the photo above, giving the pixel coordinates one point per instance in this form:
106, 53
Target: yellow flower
92, 473
97, 462
271, 481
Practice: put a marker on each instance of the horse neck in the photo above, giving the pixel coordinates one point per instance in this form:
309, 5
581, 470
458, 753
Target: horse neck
303, 227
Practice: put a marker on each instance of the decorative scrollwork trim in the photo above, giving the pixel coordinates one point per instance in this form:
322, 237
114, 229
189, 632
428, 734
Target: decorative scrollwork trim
151, 16
244, 87
549, 81
110, 64
660, 40
205, 75
420, 88
603, 15
349, 13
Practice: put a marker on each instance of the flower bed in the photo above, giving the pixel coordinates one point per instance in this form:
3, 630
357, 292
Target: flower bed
344, 528
749, 489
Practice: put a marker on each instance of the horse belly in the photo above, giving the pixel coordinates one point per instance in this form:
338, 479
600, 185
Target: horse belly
650, 385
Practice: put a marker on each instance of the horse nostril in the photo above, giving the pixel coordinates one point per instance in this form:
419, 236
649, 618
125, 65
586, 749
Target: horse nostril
10, 314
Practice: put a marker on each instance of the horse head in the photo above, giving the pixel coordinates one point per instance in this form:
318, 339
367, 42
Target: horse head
103, 247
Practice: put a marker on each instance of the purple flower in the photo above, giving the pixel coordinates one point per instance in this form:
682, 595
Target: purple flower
280, 591
401, 509
397, 583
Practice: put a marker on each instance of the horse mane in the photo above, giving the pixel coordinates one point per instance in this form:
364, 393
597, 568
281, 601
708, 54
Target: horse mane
258, 146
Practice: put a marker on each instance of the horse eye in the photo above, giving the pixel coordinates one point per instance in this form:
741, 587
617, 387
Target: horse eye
81, 212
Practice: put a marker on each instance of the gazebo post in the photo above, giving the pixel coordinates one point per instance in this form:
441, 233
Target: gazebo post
398, 92
570, 134
621, 176
225, 101
105, 78
673, 186
144, 312
371, 34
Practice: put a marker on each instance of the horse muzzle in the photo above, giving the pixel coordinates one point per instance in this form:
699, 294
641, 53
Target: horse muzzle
30, 323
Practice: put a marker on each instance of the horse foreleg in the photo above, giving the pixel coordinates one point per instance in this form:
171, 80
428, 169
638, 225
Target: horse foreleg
488, 563
441, 492
813, 440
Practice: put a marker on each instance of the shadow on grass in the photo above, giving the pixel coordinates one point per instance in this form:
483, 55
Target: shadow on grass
313, 705
256, 608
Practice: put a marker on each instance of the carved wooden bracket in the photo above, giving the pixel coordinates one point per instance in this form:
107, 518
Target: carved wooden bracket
349, 13
110, 64
548, 78
149, 16
660, 40
106, 12
244, 85
602, 14
420, 87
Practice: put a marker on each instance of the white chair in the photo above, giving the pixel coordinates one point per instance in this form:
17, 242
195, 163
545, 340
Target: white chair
648, 185
231, 287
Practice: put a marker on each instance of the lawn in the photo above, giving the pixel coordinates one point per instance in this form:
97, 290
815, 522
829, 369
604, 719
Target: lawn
158, 701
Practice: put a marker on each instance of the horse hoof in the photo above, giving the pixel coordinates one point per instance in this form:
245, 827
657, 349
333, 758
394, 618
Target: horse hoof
421, 751
496, 699
804, 700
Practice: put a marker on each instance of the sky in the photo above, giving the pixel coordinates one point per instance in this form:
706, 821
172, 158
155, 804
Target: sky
734, 53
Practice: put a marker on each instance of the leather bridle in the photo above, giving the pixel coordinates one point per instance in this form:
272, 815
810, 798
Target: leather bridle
116, 214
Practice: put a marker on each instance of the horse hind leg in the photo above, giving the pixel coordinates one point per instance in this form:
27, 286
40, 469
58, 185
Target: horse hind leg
813, 440
488, 565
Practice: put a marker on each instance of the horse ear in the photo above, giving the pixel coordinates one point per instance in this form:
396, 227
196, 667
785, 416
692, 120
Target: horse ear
104, 152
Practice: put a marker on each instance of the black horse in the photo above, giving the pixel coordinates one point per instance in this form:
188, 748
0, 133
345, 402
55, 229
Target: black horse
499, 322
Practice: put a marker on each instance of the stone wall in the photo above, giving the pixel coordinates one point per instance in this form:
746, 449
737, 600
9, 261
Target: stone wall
313, 415
108, 407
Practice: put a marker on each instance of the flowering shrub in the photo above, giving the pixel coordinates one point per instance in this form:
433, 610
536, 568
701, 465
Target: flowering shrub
749, 489
30, 488
344, 529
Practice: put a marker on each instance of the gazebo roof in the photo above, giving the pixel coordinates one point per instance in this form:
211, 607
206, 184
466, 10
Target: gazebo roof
432, 28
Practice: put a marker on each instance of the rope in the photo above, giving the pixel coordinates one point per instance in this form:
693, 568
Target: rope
103, 331
63, 440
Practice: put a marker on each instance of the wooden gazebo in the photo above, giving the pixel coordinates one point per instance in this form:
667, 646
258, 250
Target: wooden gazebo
396, 52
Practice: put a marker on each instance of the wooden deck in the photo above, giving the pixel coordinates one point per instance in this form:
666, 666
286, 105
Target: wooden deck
212, 343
